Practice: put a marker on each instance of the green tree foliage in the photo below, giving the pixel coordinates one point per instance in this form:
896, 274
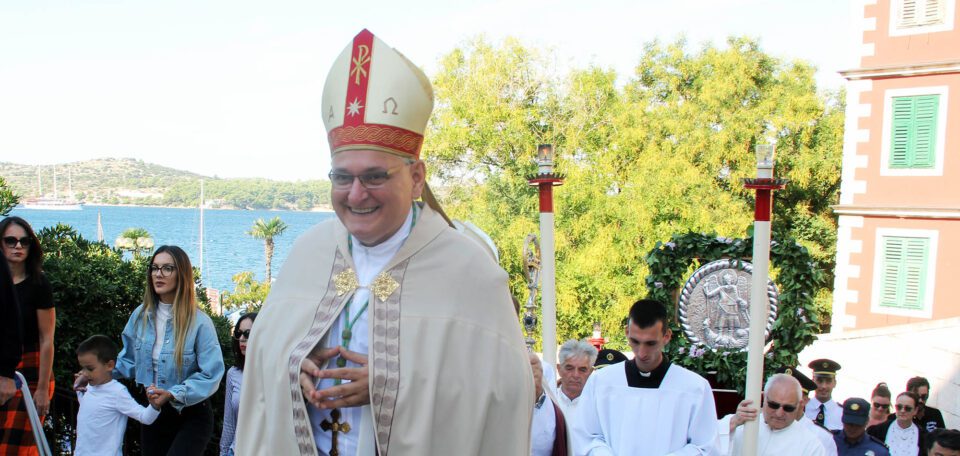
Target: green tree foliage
659, 153
250, 194
8, 198
135, 240
267, 230
247, 293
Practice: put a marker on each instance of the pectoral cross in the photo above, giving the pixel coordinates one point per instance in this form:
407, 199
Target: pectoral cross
336, 427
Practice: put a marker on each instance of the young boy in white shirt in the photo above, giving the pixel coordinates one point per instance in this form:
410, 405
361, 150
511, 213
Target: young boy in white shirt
106, 403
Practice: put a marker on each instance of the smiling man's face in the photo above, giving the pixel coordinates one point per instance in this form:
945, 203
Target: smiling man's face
372, 215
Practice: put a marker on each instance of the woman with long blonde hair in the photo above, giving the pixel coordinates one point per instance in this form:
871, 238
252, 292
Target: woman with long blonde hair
185, 362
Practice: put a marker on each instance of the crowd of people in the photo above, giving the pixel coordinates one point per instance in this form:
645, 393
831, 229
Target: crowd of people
646, 405
391, 330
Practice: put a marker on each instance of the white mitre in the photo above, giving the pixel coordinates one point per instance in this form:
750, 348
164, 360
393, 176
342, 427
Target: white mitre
375, 98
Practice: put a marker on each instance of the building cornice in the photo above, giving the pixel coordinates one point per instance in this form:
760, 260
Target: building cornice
920, 69
943, 213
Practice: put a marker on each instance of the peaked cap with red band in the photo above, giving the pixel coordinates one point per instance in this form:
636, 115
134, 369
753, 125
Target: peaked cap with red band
376, 99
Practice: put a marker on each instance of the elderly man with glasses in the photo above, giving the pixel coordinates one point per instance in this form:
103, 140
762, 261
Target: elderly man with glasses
387, 331
780, 433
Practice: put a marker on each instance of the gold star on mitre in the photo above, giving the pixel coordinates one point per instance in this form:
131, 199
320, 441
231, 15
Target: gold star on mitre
346, 281
384, 286
354, 107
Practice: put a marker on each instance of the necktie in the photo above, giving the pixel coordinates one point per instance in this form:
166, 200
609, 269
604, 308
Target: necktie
820, 414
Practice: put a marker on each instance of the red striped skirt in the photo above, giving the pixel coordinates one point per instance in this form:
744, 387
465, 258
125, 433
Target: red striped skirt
16, 434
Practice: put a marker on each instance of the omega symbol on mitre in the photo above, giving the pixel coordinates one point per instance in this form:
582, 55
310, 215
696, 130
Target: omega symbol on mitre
388, 102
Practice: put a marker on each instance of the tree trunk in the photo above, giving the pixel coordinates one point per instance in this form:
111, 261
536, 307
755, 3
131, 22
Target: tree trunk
268, 251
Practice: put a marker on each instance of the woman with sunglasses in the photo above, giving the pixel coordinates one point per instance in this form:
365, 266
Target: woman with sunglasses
900, 433
184, 362
21, 250
880, 404
231, 404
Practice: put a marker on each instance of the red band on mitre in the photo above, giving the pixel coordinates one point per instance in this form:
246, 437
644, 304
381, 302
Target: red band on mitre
375, 136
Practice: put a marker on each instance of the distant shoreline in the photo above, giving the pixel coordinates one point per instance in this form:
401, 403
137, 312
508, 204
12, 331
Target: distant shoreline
325, 209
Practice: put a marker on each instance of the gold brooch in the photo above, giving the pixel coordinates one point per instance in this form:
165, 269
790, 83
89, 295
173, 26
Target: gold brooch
384, 286
346, 281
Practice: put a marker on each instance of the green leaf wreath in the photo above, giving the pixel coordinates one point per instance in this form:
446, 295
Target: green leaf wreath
791, 268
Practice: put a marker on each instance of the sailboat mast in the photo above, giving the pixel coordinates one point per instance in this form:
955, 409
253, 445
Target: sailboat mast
202, 277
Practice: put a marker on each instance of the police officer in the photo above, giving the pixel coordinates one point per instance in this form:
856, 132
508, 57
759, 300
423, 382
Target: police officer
853, 438
822, 409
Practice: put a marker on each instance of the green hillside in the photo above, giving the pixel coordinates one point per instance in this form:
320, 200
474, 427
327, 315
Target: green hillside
130, 181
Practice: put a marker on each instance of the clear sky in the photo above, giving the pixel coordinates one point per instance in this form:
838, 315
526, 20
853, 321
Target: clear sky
232, 87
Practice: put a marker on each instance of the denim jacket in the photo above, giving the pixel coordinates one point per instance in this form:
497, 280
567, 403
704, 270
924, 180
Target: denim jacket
202, 359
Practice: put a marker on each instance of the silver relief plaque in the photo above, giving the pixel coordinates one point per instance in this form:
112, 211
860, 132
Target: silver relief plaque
715, 305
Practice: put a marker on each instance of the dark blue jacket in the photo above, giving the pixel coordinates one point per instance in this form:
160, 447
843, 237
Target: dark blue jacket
862, 447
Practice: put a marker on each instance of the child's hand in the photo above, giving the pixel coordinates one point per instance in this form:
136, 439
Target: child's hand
158, 396
80, 382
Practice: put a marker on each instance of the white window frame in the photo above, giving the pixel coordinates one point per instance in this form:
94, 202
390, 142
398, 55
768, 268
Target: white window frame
897, 5
888, 96
927, 310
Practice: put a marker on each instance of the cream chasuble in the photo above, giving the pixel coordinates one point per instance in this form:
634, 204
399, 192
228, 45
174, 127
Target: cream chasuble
613, 418
449, 372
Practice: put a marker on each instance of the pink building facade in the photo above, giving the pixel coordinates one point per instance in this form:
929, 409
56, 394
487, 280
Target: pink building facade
898, 251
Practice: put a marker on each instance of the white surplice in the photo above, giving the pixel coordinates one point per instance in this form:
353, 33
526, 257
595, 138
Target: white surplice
823, 435
678, 418
793, 440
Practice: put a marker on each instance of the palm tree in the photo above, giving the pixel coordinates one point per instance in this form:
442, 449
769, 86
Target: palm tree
267, 231
136, 240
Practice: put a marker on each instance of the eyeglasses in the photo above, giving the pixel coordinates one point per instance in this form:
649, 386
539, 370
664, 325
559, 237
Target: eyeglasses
164, 270
11, 241
880, 406
904, 407
786, 407
923, 397
373, 179
245, 334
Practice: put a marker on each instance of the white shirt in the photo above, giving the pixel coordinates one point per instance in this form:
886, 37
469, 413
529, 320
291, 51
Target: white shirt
832, 412
825, 437
543, 429
567, 406
369, 261
164, 311
793, 440
102, 418
903, 442
613, 418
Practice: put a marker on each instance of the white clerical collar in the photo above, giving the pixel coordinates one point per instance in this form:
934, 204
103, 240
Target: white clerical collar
364, 255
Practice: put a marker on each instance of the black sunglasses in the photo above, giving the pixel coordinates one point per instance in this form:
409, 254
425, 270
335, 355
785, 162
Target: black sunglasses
242, 334
880, 406
905, 408
786, 407
11, 241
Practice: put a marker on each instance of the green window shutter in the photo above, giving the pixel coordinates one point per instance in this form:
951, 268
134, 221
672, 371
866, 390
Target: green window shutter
903, 272
914, 132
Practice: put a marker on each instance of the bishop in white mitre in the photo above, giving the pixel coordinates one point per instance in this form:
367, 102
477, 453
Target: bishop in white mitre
387, 330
